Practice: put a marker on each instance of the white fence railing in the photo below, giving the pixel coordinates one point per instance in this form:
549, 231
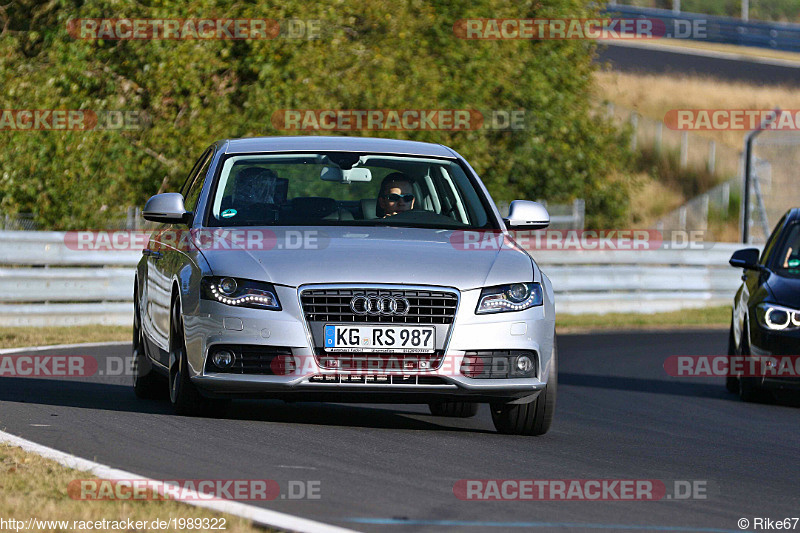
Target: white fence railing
45, 283
643, 281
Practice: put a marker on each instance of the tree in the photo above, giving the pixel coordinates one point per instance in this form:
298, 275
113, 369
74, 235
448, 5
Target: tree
377, 55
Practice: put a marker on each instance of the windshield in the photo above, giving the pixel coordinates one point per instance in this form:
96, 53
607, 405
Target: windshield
787, 261
345, 189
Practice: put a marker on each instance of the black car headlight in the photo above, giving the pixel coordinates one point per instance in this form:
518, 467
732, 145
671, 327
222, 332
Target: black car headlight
240, 292
512, 297
777, 317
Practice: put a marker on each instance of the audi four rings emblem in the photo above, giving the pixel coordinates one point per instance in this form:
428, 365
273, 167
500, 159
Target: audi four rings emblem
379, 305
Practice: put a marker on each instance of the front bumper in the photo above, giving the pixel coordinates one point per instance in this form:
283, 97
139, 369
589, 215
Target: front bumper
765, 344
219, 324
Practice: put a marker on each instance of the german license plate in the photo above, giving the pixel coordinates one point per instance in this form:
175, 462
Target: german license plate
386, 339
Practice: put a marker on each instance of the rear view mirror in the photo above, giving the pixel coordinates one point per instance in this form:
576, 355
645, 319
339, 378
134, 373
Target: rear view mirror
747, 258
524, 214
358, 174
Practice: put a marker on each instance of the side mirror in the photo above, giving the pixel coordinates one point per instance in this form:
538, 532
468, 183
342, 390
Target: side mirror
167, 208
523, 214
747, 258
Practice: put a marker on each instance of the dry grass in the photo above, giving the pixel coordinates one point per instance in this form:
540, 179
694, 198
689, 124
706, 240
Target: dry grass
653, 95
35, 487
18, 337
652, 199
711, 317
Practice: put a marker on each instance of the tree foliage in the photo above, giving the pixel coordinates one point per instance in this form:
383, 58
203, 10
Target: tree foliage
381, 54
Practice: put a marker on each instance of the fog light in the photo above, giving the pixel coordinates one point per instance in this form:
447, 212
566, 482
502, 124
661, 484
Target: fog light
524, 364
222, 359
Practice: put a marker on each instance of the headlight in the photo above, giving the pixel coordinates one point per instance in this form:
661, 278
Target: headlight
513, 297
240, 292
777, 318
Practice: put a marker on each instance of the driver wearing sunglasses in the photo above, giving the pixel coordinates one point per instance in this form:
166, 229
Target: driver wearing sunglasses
397, 194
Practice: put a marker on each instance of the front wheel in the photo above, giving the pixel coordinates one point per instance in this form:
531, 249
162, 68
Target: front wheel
731, 382
748, 387
183, 395
532, 418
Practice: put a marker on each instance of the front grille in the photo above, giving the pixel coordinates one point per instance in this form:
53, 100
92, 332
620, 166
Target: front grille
251, 359
333, 305
380, 362
378, 379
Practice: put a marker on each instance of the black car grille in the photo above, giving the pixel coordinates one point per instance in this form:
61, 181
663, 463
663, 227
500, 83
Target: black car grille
333, 305
250, 359
379, 379
497, 364
376, 362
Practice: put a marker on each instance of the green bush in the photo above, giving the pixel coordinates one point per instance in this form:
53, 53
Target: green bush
375, 55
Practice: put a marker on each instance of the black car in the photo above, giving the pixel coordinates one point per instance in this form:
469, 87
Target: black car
766, 310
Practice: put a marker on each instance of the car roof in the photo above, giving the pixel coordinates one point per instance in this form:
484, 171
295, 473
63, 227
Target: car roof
303, 143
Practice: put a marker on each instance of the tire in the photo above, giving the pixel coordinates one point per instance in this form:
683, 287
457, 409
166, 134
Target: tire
454, 409
731, 382
183, 395
147, 384
749, 391
532, 418
748, 388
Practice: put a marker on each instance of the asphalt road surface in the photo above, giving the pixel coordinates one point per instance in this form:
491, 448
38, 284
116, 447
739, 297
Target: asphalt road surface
651, 61
393, 468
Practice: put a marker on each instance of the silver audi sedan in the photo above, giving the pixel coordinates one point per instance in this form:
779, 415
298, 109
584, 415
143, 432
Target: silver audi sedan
348, 270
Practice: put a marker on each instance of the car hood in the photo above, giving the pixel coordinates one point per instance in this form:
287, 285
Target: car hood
366, 255
784, 290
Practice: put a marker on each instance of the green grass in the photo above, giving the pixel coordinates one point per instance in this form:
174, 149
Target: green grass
29, 336
711, 317
37, 487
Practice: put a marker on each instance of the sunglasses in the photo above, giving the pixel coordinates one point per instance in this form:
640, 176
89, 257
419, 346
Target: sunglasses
407, 198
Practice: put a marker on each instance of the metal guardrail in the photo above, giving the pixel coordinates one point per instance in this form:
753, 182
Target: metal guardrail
730, 30
643, 281
45, 283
